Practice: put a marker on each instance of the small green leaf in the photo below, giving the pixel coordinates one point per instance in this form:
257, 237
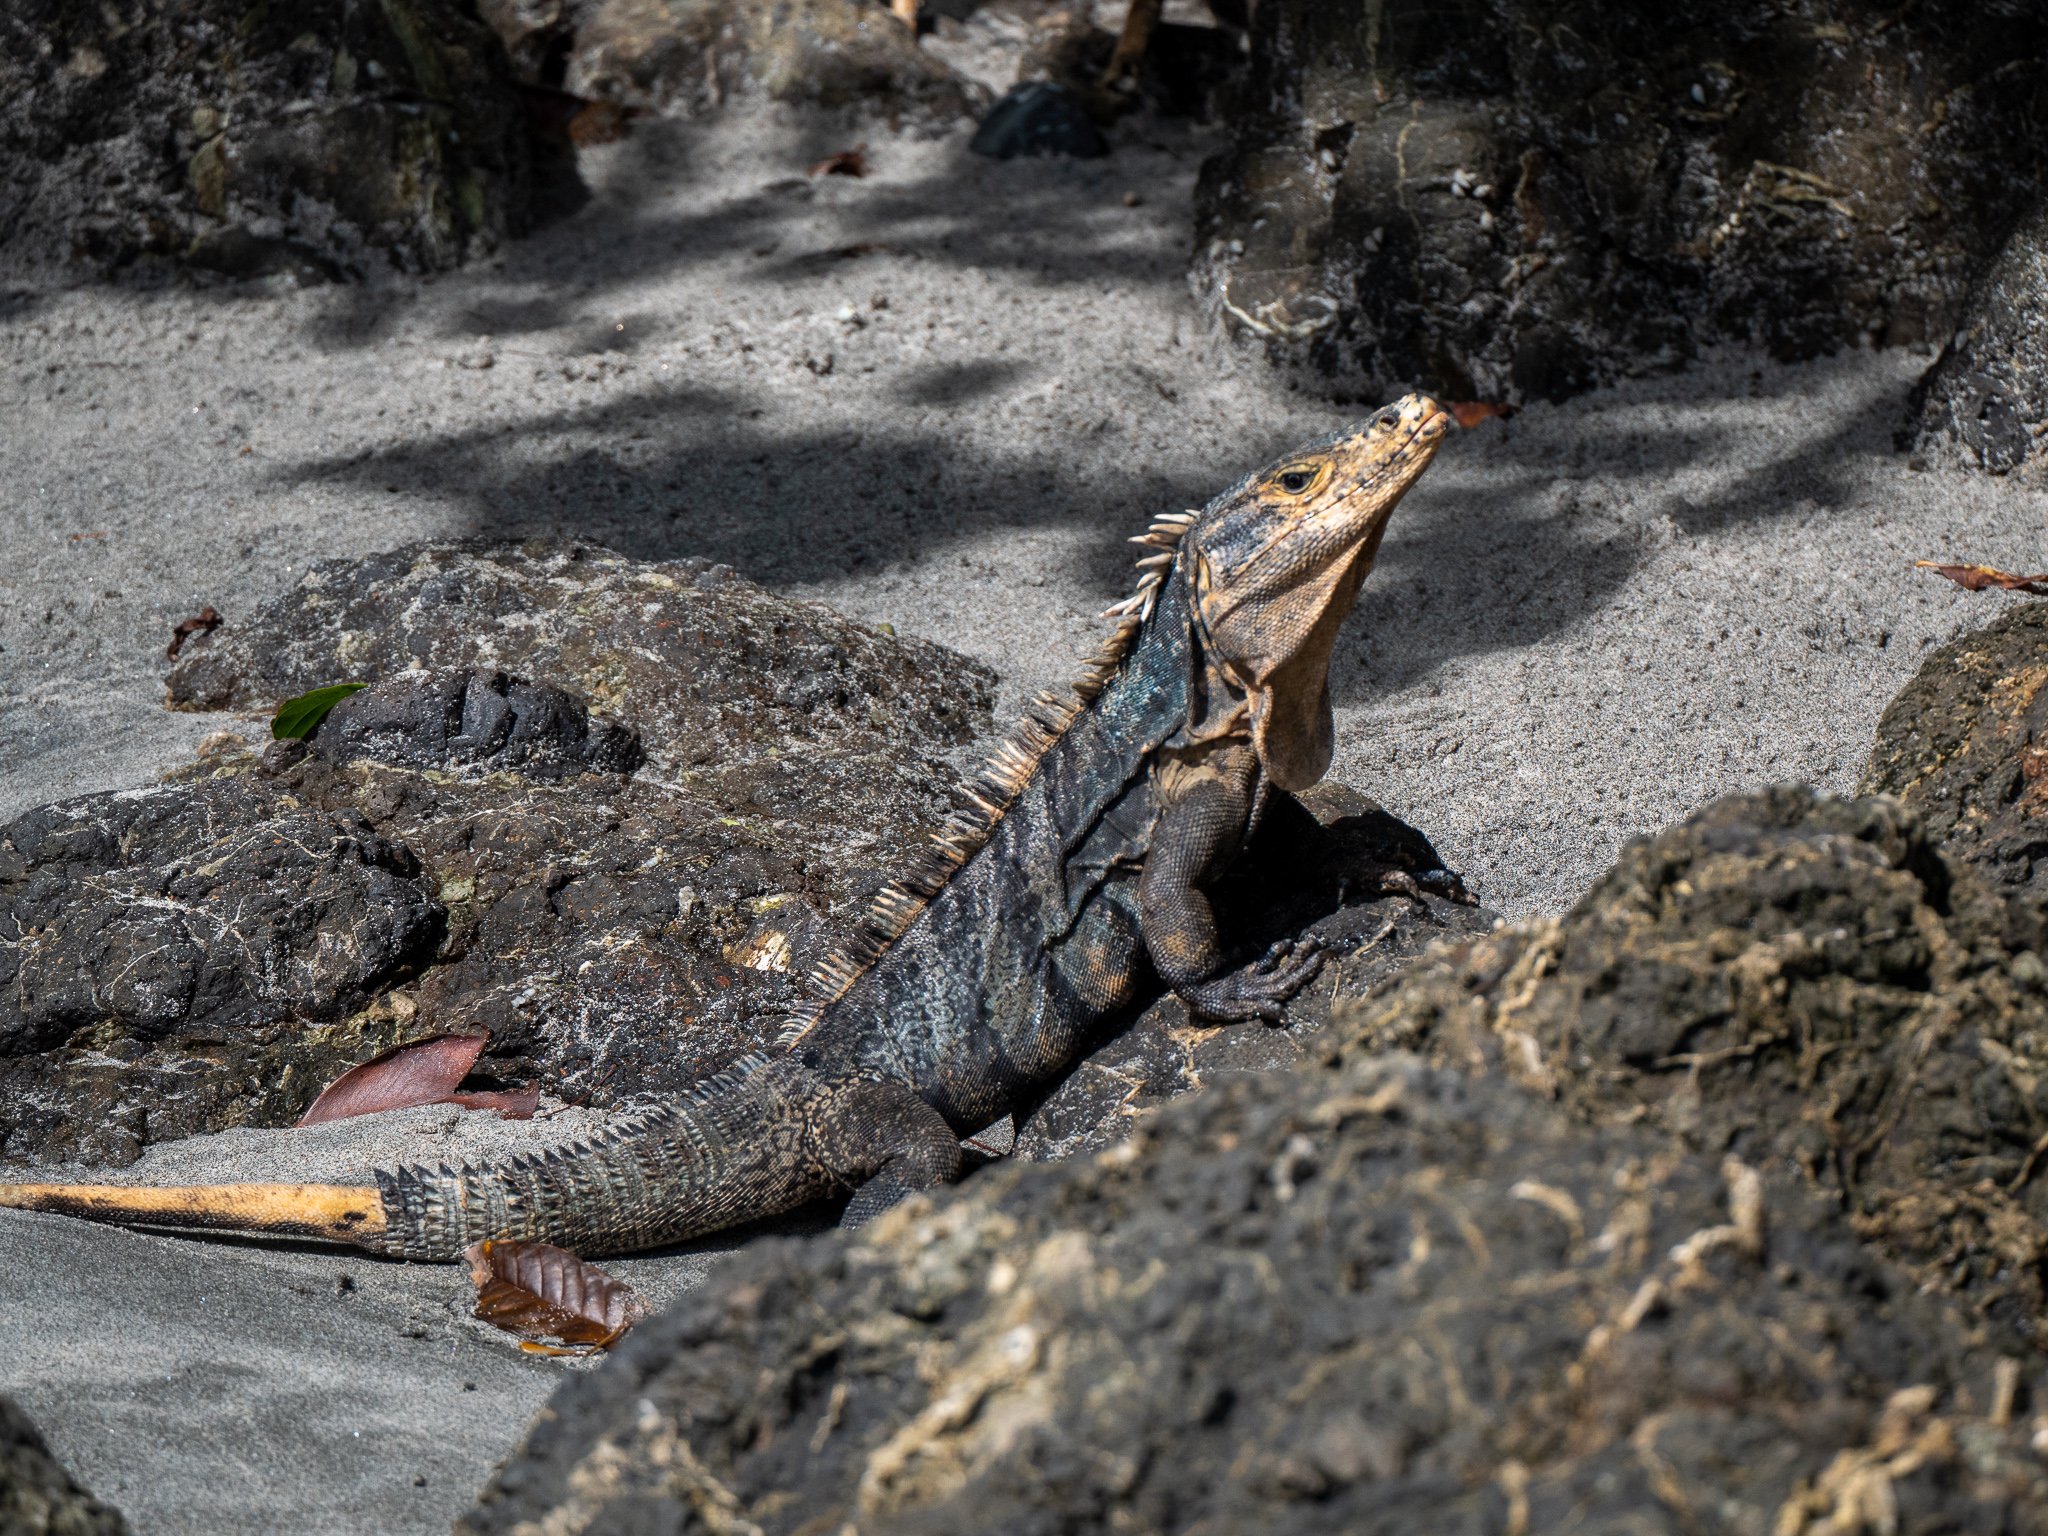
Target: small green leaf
297, 717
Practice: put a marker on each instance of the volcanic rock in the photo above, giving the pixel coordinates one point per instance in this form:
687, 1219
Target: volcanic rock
1371, 1297
1984, 404
482, 721
322, 138
1510, 199
37, 1496
1965, 745
1808, 984
689, 57
458, 850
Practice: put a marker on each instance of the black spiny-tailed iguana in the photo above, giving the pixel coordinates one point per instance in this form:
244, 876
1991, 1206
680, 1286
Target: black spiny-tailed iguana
986, 974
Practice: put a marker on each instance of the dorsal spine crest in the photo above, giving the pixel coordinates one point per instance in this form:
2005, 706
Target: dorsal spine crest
993, 789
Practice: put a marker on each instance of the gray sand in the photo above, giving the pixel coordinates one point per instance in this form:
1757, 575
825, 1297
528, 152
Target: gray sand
942, 397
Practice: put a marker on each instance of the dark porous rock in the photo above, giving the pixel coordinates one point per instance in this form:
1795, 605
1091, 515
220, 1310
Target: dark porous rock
1512, 198
692, 56
177, 959
736, 694
321, 137
37, 1496
208, 953
1984, 404
1038, 119
475, 720
1316, 868
1806, 983
1965, 745
1366, 1297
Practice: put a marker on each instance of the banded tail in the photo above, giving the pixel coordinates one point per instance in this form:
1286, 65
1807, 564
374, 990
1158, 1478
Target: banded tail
705, 1162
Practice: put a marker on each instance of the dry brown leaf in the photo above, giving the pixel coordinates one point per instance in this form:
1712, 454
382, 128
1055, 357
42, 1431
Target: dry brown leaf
1469, 413
848, 162
599, 122
542, 1293
510, 1103
1975, 578
424, 1072
203, 622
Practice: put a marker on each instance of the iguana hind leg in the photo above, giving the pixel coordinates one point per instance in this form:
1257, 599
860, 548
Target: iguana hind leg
889, 1144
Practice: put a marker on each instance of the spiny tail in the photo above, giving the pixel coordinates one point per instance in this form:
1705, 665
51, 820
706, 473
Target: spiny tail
709, 1161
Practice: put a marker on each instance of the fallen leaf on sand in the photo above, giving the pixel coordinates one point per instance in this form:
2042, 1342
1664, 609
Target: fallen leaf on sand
424, 1072
1469, 413
848, 162
599, 122
510, 1103
544, 1293
1975, 578
203, 622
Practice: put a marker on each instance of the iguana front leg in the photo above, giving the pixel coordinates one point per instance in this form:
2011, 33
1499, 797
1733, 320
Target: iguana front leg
1207, 817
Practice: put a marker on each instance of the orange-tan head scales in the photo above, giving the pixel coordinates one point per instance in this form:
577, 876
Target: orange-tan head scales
1275, 565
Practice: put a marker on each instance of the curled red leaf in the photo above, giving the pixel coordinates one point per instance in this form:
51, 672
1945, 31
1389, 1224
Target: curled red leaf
510, 1103
1469, 413
1976, 578
424, 1072
555, 1302
600, 122
203, 622
848, 162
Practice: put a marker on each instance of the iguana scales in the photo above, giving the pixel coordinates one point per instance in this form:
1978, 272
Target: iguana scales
988, 972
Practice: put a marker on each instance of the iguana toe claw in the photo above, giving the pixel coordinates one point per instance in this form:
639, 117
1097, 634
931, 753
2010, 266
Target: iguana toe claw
1261, 991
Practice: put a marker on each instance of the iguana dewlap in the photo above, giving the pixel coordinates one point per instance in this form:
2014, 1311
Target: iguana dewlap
988, 973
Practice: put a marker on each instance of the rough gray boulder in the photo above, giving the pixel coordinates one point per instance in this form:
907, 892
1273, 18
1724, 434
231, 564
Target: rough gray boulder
1369, 1298
1499, 199
735, 693
1984, 404
688, 57
1806, 983
37, 1496
1965, 745
321, 137
481, 721
457, 850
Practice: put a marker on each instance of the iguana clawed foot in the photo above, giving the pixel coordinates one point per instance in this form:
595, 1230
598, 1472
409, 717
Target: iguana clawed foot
1260, 992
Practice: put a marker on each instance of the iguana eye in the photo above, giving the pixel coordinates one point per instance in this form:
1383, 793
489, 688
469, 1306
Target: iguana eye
1295, 481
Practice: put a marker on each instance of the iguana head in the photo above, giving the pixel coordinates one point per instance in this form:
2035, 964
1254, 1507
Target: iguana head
1274, 564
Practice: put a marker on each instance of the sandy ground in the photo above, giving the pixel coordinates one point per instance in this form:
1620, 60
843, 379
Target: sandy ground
940, 396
